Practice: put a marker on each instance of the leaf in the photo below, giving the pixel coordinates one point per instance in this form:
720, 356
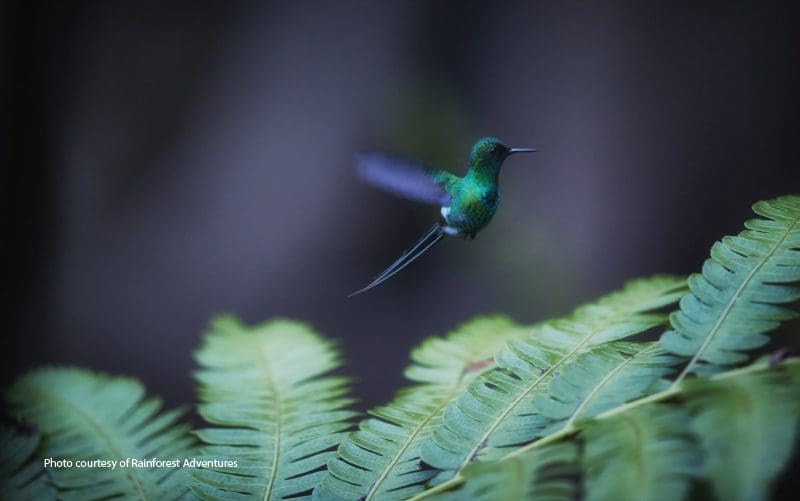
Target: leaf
276, 412
646, 453
600, 379
740, 293
381, 459
83, 415
22, 473
652, 448
544, 474
747, 426
498, 411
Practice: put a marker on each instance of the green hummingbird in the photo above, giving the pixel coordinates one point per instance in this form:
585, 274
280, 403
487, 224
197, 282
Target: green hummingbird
467, 203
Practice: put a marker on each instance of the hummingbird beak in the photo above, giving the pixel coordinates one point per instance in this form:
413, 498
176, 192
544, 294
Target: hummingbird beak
521, 150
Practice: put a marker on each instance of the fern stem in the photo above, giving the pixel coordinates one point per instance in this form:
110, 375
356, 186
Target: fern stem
450, 484
273, 390
724, 315
567, 431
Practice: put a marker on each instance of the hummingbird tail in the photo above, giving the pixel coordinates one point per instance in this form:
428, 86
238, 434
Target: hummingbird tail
431, 238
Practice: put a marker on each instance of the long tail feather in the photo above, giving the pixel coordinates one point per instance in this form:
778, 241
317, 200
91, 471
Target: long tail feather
431, 238
409, 252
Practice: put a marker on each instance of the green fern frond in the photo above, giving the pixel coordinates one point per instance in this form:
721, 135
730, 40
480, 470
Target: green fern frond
735, 430
276, 413
739, 294
647, 453
600, 379
547, 474
22, 474
83, 415
747, 427
381, 459
499, 410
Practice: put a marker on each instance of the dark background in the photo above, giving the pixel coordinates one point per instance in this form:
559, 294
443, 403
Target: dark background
170, 161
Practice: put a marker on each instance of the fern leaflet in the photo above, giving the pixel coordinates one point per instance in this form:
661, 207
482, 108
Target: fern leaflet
264, 387
740, 293
21, 472
747, 428
646, 453
547, 473
83, 415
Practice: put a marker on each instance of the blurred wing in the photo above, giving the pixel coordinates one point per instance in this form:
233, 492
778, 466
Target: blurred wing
403, 177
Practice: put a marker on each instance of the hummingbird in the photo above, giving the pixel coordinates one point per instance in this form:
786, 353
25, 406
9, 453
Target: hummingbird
467, 204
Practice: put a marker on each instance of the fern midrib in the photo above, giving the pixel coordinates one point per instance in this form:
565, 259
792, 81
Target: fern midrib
752, 409
519, 474
100, 431
744, 396
608, 377
273, 389
724, 315
640, 464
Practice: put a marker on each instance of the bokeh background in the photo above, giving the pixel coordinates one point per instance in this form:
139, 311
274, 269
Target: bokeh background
168, 161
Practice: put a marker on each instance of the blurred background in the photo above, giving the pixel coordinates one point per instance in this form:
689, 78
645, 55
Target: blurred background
170, 161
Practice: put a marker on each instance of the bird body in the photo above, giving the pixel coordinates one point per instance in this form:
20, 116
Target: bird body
472, 206
467, 204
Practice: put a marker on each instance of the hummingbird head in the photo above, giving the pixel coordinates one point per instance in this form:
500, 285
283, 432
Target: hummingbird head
489, 153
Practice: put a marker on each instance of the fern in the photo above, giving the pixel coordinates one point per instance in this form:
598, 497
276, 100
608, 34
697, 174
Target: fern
497, 419
381, 460
21, 473
601, 379
276, 412
548, 473
739, 294
569, 408
499, 410
654, 447
737, 429
90, 416
747, 427
646, 453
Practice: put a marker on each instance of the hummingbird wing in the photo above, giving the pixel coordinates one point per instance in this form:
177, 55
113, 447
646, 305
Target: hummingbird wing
405, 177
428, 240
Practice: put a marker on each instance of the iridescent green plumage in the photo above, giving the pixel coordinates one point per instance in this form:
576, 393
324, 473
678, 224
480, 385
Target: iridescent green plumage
467, 203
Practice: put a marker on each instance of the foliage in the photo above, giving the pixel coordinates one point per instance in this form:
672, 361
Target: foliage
618, 400
760, 410
739, 295
23, 477
643, 454
87, 416
522, 398
546, 473
381, 460
275, 411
